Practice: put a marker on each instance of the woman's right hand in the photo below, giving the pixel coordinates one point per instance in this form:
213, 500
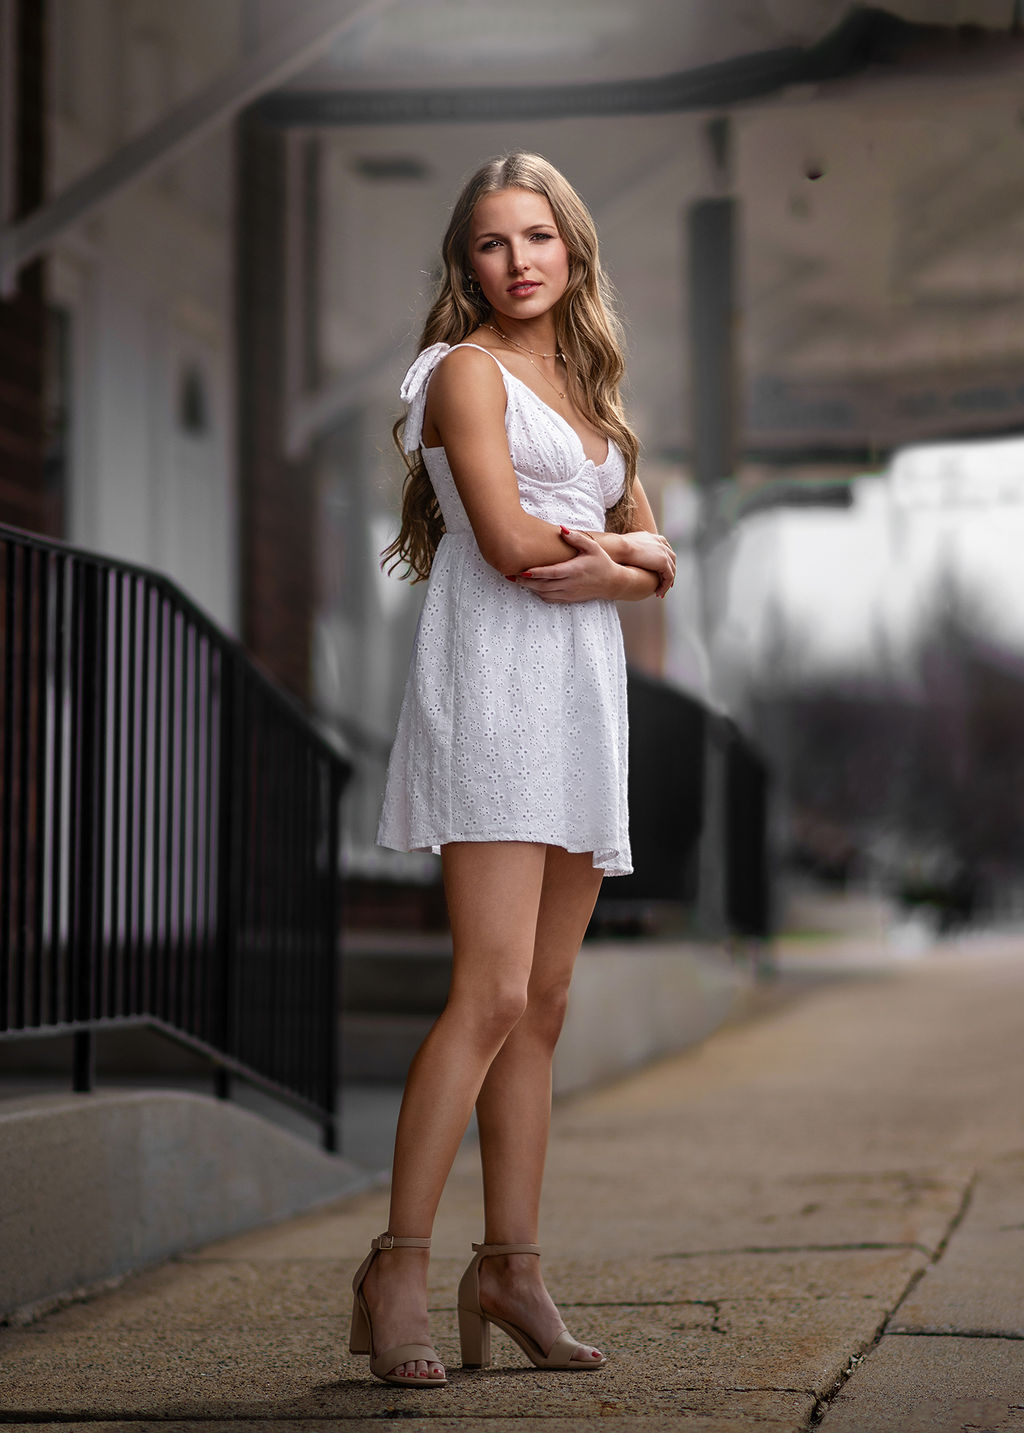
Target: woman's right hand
591, 574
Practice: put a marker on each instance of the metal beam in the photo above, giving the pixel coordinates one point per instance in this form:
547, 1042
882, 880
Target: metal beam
747, 77
869, 40
755, 75
287, 50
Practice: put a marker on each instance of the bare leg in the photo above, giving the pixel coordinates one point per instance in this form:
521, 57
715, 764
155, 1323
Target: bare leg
514, 1105
493, 891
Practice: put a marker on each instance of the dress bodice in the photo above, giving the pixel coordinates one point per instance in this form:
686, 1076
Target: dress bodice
557, 481
513, 725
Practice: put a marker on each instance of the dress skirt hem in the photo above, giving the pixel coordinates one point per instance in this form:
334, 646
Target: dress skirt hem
609, 861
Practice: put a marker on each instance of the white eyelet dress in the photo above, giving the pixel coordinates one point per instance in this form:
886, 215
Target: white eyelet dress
513, 724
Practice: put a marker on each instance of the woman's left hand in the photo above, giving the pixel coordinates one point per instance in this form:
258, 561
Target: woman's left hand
587, 577
653, 551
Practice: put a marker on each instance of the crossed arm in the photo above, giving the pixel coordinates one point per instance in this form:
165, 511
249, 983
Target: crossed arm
466, 413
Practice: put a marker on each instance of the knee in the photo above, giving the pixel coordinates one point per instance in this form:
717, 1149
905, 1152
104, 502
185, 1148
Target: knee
546, 1010
491, 1013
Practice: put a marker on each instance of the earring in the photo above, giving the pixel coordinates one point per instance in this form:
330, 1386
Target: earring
472, 283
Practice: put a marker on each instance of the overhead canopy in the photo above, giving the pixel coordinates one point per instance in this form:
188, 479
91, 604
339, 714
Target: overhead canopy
429, 60
882, 218
904, 261
415, 61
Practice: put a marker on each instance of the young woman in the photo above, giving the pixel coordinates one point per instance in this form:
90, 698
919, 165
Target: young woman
523, 507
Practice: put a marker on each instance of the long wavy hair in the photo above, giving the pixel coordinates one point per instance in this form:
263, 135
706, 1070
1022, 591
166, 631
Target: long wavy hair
587, 332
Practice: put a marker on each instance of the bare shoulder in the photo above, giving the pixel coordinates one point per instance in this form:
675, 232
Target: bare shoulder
468, 364
466, 380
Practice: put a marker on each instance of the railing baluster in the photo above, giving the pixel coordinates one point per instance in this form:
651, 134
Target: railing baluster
208, 865
129, 989
173, 822
172, 981
281, 949
24, 734
57, 834
116, 941
7, 795
214, 758
277, 859
73, 947
41, 725
181, 833
252, 923
147, 785
330, 928
194, 828
159, 937
305, 905
85, 797
101, 997
305, 817
288, 964
232, 835
172, 978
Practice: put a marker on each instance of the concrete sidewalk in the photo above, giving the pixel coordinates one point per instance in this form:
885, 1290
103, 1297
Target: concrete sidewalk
814, 1219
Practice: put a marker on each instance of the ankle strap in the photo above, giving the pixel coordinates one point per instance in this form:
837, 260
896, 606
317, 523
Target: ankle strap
396, 1241
485, 1250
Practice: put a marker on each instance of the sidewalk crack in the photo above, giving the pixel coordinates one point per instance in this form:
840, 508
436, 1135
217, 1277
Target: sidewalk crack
856, 1359
866, 1246
943, 1244
743, 1388
996, 1334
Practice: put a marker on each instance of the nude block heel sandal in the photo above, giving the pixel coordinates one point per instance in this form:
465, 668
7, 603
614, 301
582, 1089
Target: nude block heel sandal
361, 1335
475, 1325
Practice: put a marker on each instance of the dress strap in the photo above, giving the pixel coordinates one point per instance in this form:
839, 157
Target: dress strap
482, 350
414, 388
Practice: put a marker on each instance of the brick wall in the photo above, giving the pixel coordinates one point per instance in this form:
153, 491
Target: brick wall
276, 496
24, 500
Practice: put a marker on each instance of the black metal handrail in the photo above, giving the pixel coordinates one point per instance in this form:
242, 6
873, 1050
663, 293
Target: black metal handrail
169, 831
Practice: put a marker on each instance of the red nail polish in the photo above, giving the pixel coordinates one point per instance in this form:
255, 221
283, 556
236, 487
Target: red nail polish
564, 529
510, 577
526, 574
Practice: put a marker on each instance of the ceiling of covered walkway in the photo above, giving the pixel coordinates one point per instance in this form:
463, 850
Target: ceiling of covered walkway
876, 153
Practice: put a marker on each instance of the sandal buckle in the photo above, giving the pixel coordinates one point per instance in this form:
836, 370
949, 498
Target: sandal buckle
386, 1241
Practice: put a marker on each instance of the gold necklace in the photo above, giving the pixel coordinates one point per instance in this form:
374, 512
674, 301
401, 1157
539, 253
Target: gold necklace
535, 351
528, 351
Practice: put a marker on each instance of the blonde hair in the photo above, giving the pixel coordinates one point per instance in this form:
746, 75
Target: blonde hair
586, 329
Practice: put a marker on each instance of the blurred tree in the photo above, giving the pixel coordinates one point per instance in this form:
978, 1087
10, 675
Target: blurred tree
966, 786
915, 770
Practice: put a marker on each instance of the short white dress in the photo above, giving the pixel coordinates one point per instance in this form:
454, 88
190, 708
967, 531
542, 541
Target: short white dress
513, 725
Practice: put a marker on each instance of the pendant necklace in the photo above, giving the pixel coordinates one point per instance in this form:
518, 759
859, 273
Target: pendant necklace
528, 351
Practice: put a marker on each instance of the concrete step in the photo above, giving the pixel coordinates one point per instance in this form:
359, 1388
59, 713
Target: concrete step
96, 1186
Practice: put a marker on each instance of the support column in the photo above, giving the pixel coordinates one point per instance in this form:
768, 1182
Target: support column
711, 234
276, 494
24, 498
